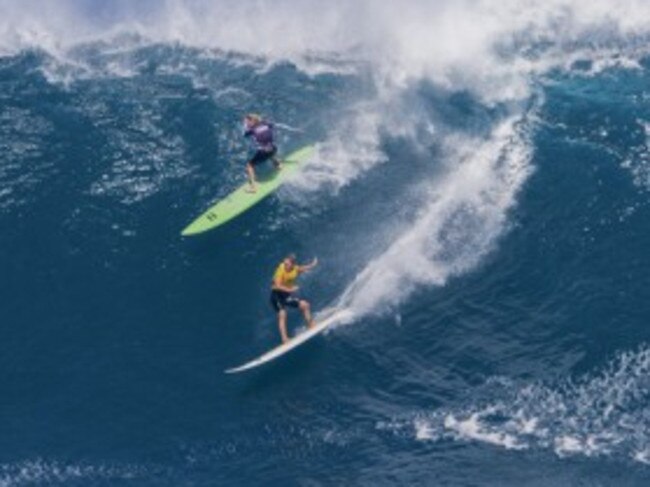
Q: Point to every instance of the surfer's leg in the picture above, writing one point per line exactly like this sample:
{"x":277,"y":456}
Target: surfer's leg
{"x":250,"y":170}
{"x":306,"y":312}
{"x":277,"y":163}
{"x":282,"y":323}
{"x":278,"y":302}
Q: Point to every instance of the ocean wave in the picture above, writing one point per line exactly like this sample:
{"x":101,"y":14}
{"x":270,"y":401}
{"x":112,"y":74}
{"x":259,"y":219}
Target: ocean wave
{"x":465,"y":214}
{"x":40,"y":472}
{"x":638,"y":161}
{"x":22,"y":167}
{"x":490,"y":49}
{"x":603,"y":414}
{"x":141,"y":159}
{"x":495,"y":54}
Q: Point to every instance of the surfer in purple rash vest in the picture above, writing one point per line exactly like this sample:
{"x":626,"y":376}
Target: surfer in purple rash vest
{"x":262,"y":133}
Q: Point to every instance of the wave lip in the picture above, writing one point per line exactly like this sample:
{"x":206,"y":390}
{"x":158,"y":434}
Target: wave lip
{"x":473,"y":45}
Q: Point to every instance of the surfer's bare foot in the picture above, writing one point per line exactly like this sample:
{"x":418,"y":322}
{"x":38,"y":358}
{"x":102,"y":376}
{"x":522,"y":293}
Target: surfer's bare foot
{"x":278,"y":165}
{"x":311,"y":324}
{"x":285,"y":339}
{"x":251,"y":189}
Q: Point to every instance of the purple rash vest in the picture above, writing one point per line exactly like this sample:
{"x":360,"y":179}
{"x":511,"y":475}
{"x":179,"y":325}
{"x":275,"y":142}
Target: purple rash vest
{"x":262,"y":133}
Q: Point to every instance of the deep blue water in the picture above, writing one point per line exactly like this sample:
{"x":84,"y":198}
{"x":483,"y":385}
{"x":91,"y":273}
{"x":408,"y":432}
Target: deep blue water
{"x":501,"y":292}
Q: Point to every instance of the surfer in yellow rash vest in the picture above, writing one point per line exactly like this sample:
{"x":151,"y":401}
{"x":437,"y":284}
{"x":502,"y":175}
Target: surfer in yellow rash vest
{"x":284,"y":289}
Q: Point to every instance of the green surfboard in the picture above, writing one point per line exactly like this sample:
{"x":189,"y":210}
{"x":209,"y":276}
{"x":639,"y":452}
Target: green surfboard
{"x":241,"y":200}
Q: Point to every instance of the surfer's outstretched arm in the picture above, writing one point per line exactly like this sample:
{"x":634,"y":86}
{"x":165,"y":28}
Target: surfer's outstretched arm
{"x":289,"y":127}
{"x":308,"y":267}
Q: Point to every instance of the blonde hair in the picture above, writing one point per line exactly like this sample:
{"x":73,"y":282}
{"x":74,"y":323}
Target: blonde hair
{"x":253,"y":117}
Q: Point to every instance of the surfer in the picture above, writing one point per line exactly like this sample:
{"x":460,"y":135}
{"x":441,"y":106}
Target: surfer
{"x":283,"y":292}
{"x":262,"y":133}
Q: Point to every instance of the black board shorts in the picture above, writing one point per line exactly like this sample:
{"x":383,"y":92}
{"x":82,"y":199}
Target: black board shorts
{"x":280,"y":300}
{"x":261,"y":155}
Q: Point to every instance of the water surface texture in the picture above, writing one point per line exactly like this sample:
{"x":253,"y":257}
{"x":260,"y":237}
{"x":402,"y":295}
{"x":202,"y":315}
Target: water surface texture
{"x":479,"y":200}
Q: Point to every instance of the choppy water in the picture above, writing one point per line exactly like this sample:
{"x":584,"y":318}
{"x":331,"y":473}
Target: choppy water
{"x":479,"y":200}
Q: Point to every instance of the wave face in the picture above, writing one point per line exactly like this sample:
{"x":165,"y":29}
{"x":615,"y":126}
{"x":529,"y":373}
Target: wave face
{"x":479,"y":202}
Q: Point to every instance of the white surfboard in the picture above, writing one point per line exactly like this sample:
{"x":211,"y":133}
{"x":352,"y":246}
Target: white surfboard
{"x":296,"y":341}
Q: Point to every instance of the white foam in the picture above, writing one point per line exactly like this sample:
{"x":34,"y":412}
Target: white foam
{"x":601,"y":414}
{"x":39,"y":471}
{"x":638,"y":162}
{"x":565,"y":445}
{"x":459,"y":224}
{"x":458,"y":44}
{"x":352,"y":148}
{"x":642,"y":456}
{"x":423,"y":430}
{"x":471,"y":428}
